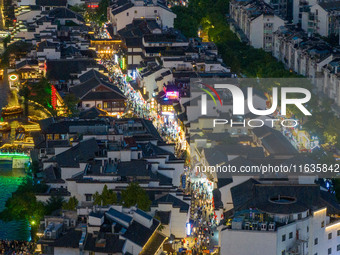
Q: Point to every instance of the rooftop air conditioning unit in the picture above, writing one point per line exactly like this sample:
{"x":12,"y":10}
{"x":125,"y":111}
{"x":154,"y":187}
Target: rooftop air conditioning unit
{"x":271,"y":226}
{"x":73,"y":222}
{"x":48,"y":234}
{"x":67,"y":222}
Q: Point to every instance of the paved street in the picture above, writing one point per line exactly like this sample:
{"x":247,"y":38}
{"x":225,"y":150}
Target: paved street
{"x":2,"y":20}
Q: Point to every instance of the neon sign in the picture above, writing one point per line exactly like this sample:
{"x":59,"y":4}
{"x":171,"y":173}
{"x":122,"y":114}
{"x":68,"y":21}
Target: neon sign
{"x":13,"y":77}
{"x":172,"y":94}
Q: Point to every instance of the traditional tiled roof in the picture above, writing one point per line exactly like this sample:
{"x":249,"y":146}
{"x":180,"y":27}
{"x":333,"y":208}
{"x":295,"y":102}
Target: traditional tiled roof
{"x":82,"y":152}
{"x":63,"y":69}
{"x":46,"y":45}
{"x":139,"y":234}
{"x":274,"y":141}
{"x":51,"y":2}
{"x":64,"y":13}
{"x":174,"y":201}
{"x":111,"y":243}
{"x":154,"y":245}
{"x":133,"y":168}
{"x":87,"y":90}
{"x":252,"y":194}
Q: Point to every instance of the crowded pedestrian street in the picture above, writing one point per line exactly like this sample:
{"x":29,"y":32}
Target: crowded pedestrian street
{"x":168,"y":128}
{"x":16,"y":247}
{"x":204,"y":233}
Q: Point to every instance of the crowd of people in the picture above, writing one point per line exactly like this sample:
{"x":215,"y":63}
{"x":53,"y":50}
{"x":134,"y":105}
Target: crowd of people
{"x":202,"y":216}
{"x":16,"y":247}
{"x":13,"y":150}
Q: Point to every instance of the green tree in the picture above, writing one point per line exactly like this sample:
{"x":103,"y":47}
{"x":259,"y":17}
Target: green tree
{"x":97,"y":198}
{"x":39,"y":93}
{"x":35,"y":166}
{"x":161,"y":226}
{"x":6,"y":40}
{"x":71,"y":104}
{"x":100,"y":15}
{"x":190,"y":25}
{"x":136,"y":195}
{"x":102,"y":8}
{"x":53,"y":203}
{"x":19,"y":48}
{"x":25,"y":93}
{"x":79,"y":8}
{"x":107,"y":197}
{"x":23,"y":203}
{"x":71,"y":204}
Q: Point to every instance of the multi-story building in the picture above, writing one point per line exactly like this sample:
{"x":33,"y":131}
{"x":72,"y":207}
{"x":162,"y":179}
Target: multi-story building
{"x":298,"y":7}
{"x":282,"y":8}
{"x":173,"y":212}
{"x":322,"y":19}
{"x":152,"y":79}
{"x":257,"y":20}
{"x":123,"y":12}
{"x":95,"y":90}
{"x":309,"y":56}
{"x":145,"y":40}
{"x":331,"y":80}
{"x":281,"y":219}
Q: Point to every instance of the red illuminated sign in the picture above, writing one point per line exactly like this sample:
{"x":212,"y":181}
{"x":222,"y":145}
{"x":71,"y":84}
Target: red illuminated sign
{"x":92,"y":6}
{"x":53,"y":97}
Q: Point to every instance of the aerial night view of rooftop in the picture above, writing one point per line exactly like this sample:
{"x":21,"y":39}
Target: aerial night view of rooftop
{"x":170,"y":127}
